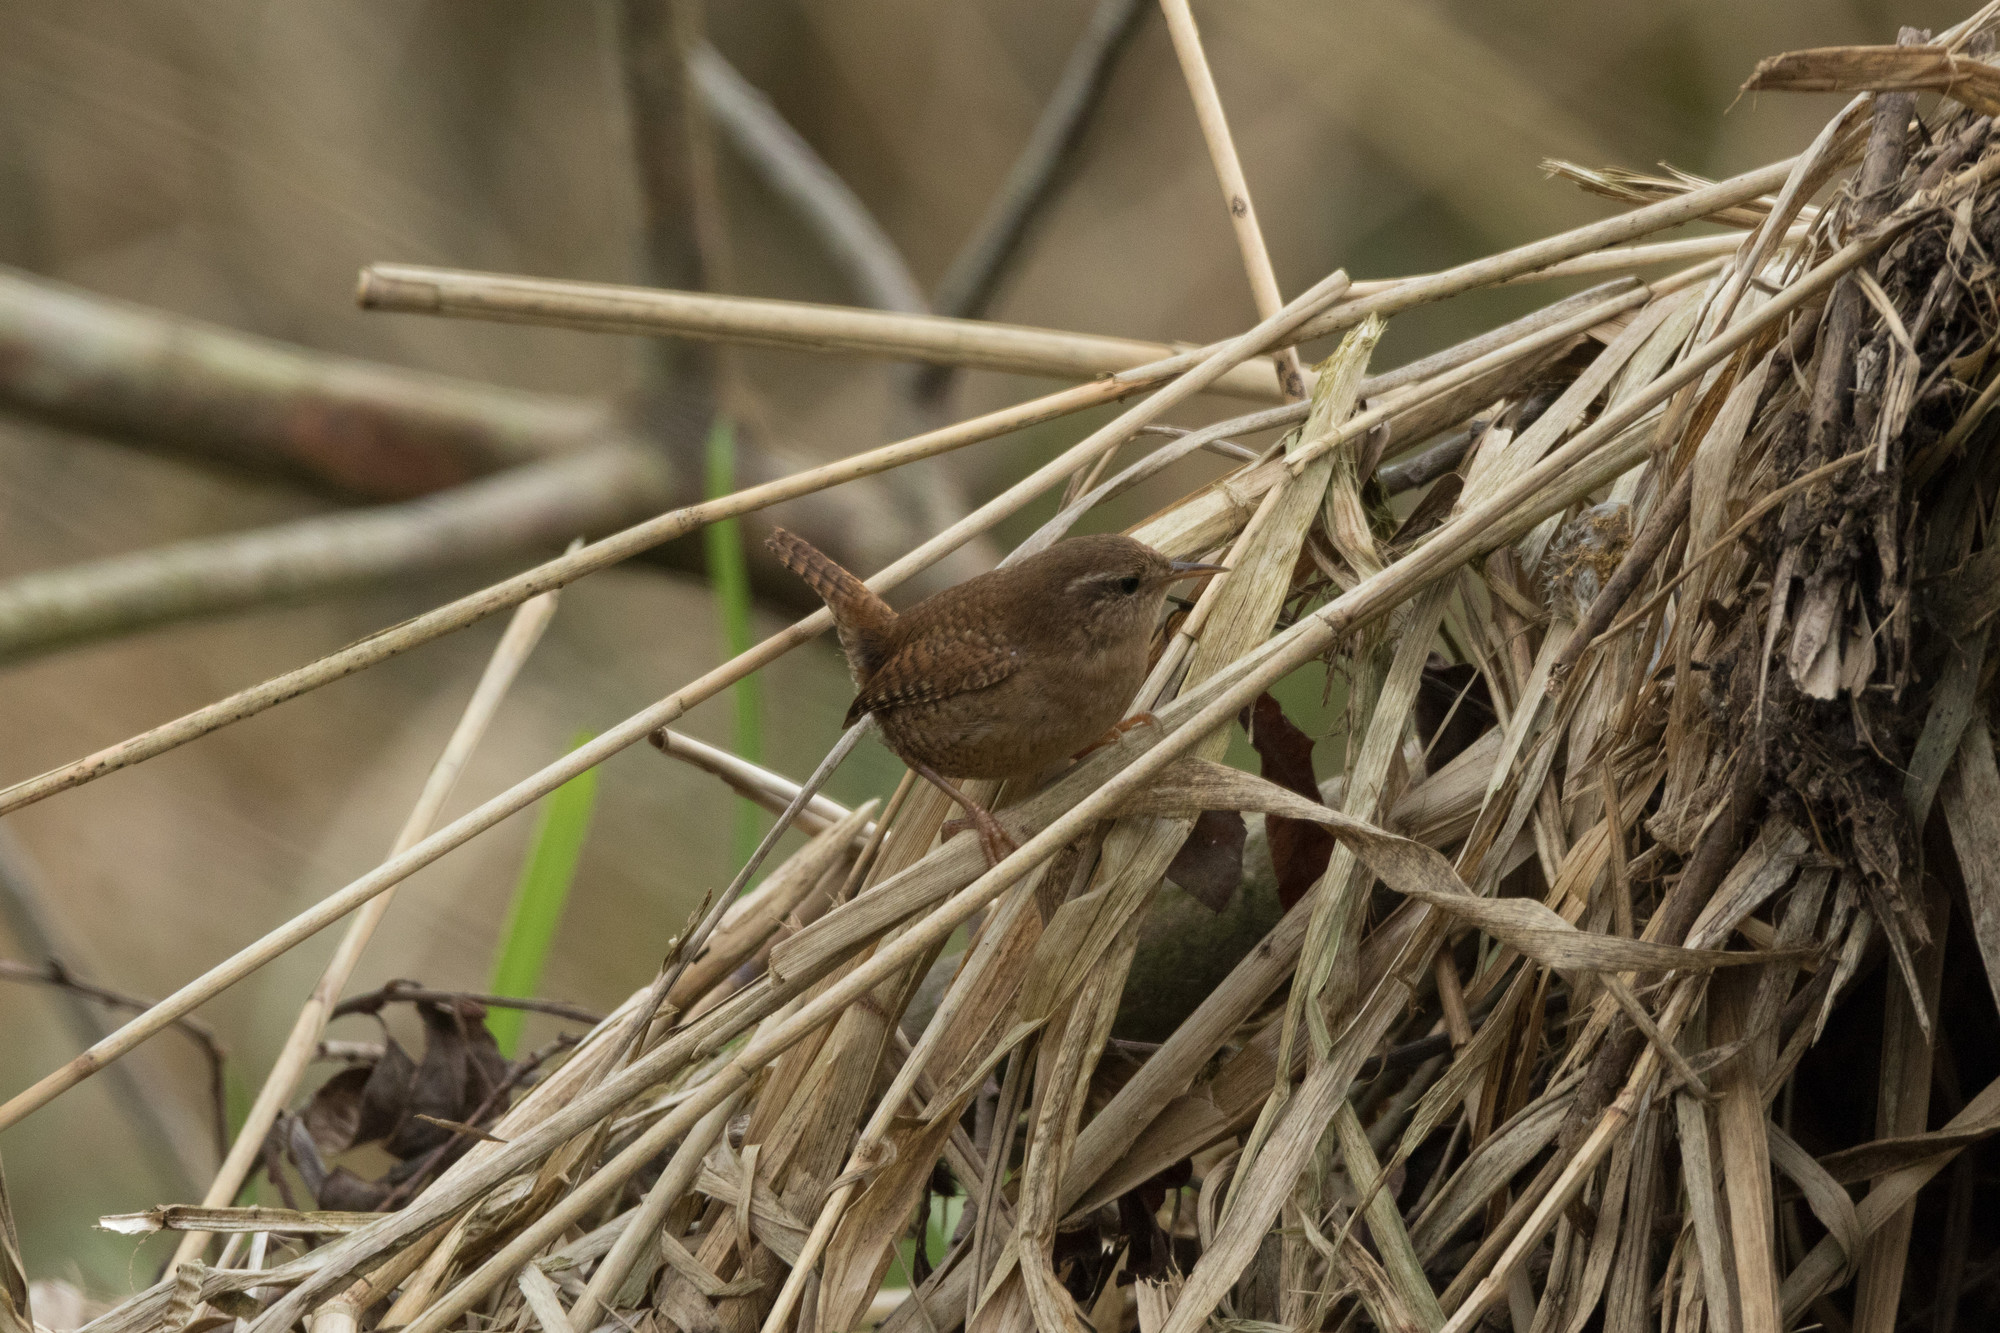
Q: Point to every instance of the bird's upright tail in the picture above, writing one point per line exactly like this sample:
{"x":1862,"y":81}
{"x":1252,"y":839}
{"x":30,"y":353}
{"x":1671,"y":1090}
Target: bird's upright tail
{"x":863,"y":619}
{"x":821,"y":572}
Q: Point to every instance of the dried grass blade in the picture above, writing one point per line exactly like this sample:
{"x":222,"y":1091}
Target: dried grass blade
{"x":1828,"y":1201}
{"x":1706,"y":1210}
{"x":1746,"y":1164}
{"x":1400,"y":1263}
{"x":1841,"y":69}
{"x":543,"y":1301}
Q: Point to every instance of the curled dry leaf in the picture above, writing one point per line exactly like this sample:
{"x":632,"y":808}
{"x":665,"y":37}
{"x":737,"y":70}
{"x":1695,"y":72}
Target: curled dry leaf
{"x":412,"y":1108}
{"x":1300,"y":848}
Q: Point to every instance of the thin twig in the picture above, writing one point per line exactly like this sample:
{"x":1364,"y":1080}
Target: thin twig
{"x":1220,"y":447}
{"x":753,"y":781}
{"x":1616,"y":259}
{"x":37,"y":929}
{"x":54,"y":973}
{"x":409,"y":992}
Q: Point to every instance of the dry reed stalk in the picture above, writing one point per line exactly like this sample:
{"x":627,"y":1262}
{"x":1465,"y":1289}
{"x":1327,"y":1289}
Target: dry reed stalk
{"x":1214,"y":123}
{"x":1693,"y":206}
{"x":753,"y":782}
{"x":1596,"y":263}
{"x":600,"y":307}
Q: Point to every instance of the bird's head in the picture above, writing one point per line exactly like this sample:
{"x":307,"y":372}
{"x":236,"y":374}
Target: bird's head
{"x":1109,"y":587}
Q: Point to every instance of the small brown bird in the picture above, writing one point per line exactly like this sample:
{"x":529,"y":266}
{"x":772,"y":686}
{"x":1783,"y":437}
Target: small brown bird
{"x":1004,"y":675}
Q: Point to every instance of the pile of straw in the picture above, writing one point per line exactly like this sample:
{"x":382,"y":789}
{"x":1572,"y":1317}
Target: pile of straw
{"x":1573,"y":1026}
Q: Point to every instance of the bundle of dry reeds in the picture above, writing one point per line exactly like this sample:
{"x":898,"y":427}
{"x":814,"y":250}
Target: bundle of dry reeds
{"x":1668,"y":759}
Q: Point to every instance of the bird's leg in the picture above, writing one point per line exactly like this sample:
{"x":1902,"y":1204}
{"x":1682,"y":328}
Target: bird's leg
{"x":1118,"y":729}
{"x":993,"y":839}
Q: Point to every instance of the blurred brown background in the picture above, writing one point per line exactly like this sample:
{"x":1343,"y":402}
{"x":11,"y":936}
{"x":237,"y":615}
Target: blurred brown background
{"x":239,"y":162}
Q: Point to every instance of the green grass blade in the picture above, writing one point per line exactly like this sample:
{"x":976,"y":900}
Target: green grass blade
{"x":537,"y":908}
{"x":729,"y":581}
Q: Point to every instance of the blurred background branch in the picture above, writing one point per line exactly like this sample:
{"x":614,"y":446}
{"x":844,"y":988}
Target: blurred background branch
{"x":796,"y":175}
{"x":968,"y":285}
{"x":501,"y":474}
{"x":147,"y":1104}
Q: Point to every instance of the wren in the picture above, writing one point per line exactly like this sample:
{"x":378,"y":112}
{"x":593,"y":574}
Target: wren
{"x":1006,"y":674}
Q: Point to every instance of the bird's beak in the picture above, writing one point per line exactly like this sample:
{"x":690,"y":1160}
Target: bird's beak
{"x":1187,"y":569}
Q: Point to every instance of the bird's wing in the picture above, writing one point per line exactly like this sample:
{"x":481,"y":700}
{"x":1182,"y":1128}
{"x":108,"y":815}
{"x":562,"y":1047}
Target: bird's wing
{"x":925,"y":670}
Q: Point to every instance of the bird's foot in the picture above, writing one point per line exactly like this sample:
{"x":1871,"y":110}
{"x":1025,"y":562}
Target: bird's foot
{"x":993,"y":839}
{"x":1118,"y":729}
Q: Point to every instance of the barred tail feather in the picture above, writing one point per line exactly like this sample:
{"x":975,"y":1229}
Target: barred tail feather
{"x":820,"y":571}
{"x":863,"y":619}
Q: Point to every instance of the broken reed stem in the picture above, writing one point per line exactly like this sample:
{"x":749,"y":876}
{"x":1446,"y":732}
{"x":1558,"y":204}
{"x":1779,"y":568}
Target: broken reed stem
{"x":523,"y":632}
{"x":754,"y":782}
{"x":1229,"y":171}
{"x":587,"y":756}
{"x":602,"y":307}
{"x":1622,"y":259}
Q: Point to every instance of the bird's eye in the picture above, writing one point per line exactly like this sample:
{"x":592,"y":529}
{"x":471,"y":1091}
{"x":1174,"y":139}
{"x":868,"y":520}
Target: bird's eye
{"x":1129,"y":584}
